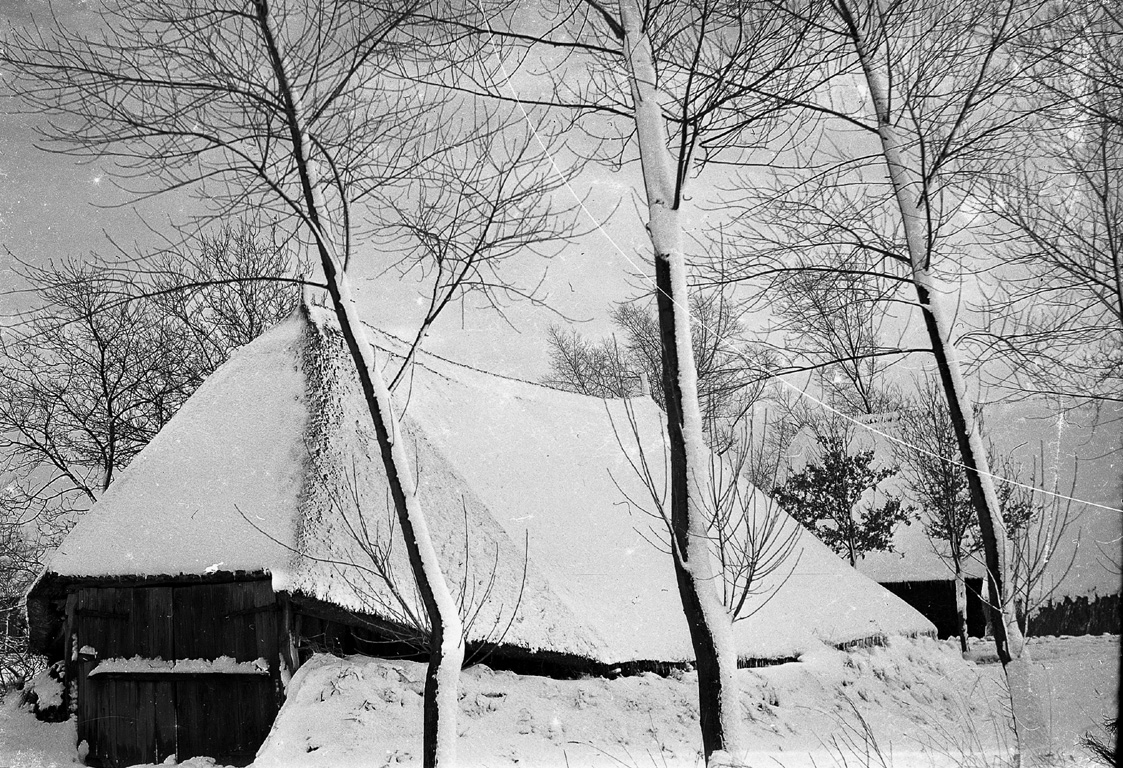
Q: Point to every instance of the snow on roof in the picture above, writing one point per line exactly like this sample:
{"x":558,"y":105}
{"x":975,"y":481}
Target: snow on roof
{"x":915,"y":557}
{"x":225,"y":665}
{"x":232,"y":454}
{"x":524,"y":488}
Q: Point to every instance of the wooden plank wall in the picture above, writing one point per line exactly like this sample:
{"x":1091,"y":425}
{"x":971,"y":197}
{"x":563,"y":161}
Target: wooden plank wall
{"x":130,"y":719}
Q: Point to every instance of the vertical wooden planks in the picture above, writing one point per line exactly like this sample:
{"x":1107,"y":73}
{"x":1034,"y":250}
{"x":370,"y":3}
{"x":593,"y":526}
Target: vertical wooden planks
{"x":145,"y":713}
{"x":187,"y":720}
{"x":130,"y":751}
{"x":164,"y":717}
{"x":107,"y":721}
{"x":150,"y":623}
{"x":266,"y":621}
{"x":128,"y":719}
{"x":70,"y":649}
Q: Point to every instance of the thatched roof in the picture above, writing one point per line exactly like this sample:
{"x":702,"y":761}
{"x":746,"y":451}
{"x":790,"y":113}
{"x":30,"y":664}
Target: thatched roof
{"x":266,"y":468}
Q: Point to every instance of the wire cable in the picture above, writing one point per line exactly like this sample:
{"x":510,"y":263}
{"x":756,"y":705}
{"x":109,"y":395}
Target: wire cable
{"x":775,"y":377}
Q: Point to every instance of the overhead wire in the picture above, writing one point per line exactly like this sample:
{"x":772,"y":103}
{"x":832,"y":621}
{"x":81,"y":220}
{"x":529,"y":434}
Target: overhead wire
{"x":802,"y":392}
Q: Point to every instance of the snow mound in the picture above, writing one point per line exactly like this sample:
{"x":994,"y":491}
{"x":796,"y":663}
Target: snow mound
{"x":915,"y":699}
{"x":26,"y":742}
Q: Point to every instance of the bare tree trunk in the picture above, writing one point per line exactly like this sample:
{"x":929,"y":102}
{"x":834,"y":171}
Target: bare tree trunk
{"x":446,"y":634}
{"x":1009,"y":642}
{"x":711,"y":628}
{"x":961,"y":606}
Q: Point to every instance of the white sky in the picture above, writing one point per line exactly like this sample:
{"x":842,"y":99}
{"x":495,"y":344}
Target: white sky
{"x":54,"y":207}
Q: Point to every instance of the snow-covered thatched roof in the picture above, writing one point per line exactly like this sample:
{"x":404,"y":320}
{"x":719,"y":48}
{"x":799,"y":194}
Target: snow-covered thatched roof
{"x":267,"y":467}
{"x":915,"y":556}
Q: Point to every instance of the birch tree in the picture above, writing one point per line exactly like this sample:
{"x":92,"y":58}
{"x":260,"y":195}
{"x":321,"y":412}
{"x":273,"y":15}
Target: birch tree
{"x":920,"y":93}
{"x":933,"y":77}
{"x":711,"y":62}
{"x":711,"y":627}
{"x":672,"y":87}
{"x":293,"y":109}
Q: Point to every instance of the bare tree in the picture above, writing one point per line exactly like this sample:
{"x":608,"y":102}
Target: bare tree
{"x":297,"y":110}
{"x":924,"y":87}
{"x":665,"y":172}
{"x":693,"y":80}
{"x":897,"y":51}
{"x":223,"y":288}
{"x":599,"y":369}
{"x":730,"y":380}
{"x":1037,"y":522}
{"x":830,"y":313}
{"x":107,"y":356}
{"x":1056,"y":319}
{"x":688,"y":82}
{"x":938,"y":483}
{"x":750,"y":535}
{"x":84,"y":388}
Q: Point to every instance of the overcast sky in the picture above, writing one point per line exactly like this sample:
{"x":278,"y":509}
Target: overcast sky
{"x":54,"y":207}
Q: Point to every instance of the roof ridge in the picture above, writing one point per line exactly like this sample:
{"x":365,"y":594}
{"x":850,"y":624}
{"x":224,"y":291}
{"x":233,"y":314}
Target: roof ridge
{"x":428,"y":353}
{"x":457,"y":363}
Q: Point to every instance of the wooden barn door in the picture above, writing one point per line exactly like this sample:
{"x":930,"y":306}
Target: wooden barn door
{"x":144,"y":717}
{"x":225,"y":716}
{"x":125,"y":720}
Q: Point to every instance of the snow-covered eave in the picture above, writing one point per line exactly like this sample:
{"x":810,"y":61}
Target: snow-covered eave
{"x":138,"y":665}
{"x":43,"y":618}
{"x":511,"y":652}
{"x":504,"y":654}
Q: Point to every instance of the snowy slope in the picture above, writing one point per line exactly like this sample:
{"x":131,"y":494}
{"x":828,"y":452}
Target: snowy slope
{"x":917,"y":701}
{"x":923,"y":705}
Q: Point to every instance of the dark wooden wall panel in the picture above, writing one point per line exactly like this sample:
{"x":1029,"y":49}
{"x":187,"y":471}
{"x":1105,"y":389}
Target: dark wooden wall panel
{"x":135,"y":718}
{"x":165,"y":718}
{"x":150,"y":624}
{"x":198,"y":613}
{"x":125,"y":724}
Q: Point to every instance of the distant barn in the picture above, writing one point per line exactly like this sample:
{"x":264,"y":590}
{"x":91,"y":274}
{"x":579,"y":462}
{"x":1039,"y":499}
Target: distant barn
{"x":255,"y":530}
{"x":914,"y":570}
{"x":922,"y":579}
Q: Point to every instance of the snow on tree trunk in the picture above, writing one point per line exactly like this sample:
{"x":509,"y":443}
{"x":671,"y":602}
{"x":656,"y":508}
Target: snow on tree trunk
{"x":961,"y":606}
{"x":711,"y":628}
{"x":446,"y":633}
{"x":1010,"y":644}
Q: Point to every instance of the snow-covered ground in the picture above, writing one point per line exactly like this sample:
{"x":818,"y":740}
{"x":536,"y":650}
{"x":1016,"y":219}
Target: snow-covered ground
{"x":914,"y":703}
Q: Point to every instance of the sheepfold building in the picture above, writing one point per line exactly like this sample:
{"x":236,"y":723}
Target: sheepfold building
{"x":917,"y":569}
{"x":256,"y":529}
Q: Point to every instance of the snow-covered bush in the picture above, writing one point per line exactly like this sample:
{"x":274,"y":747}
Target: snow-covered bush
{"x":44,"y":694}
